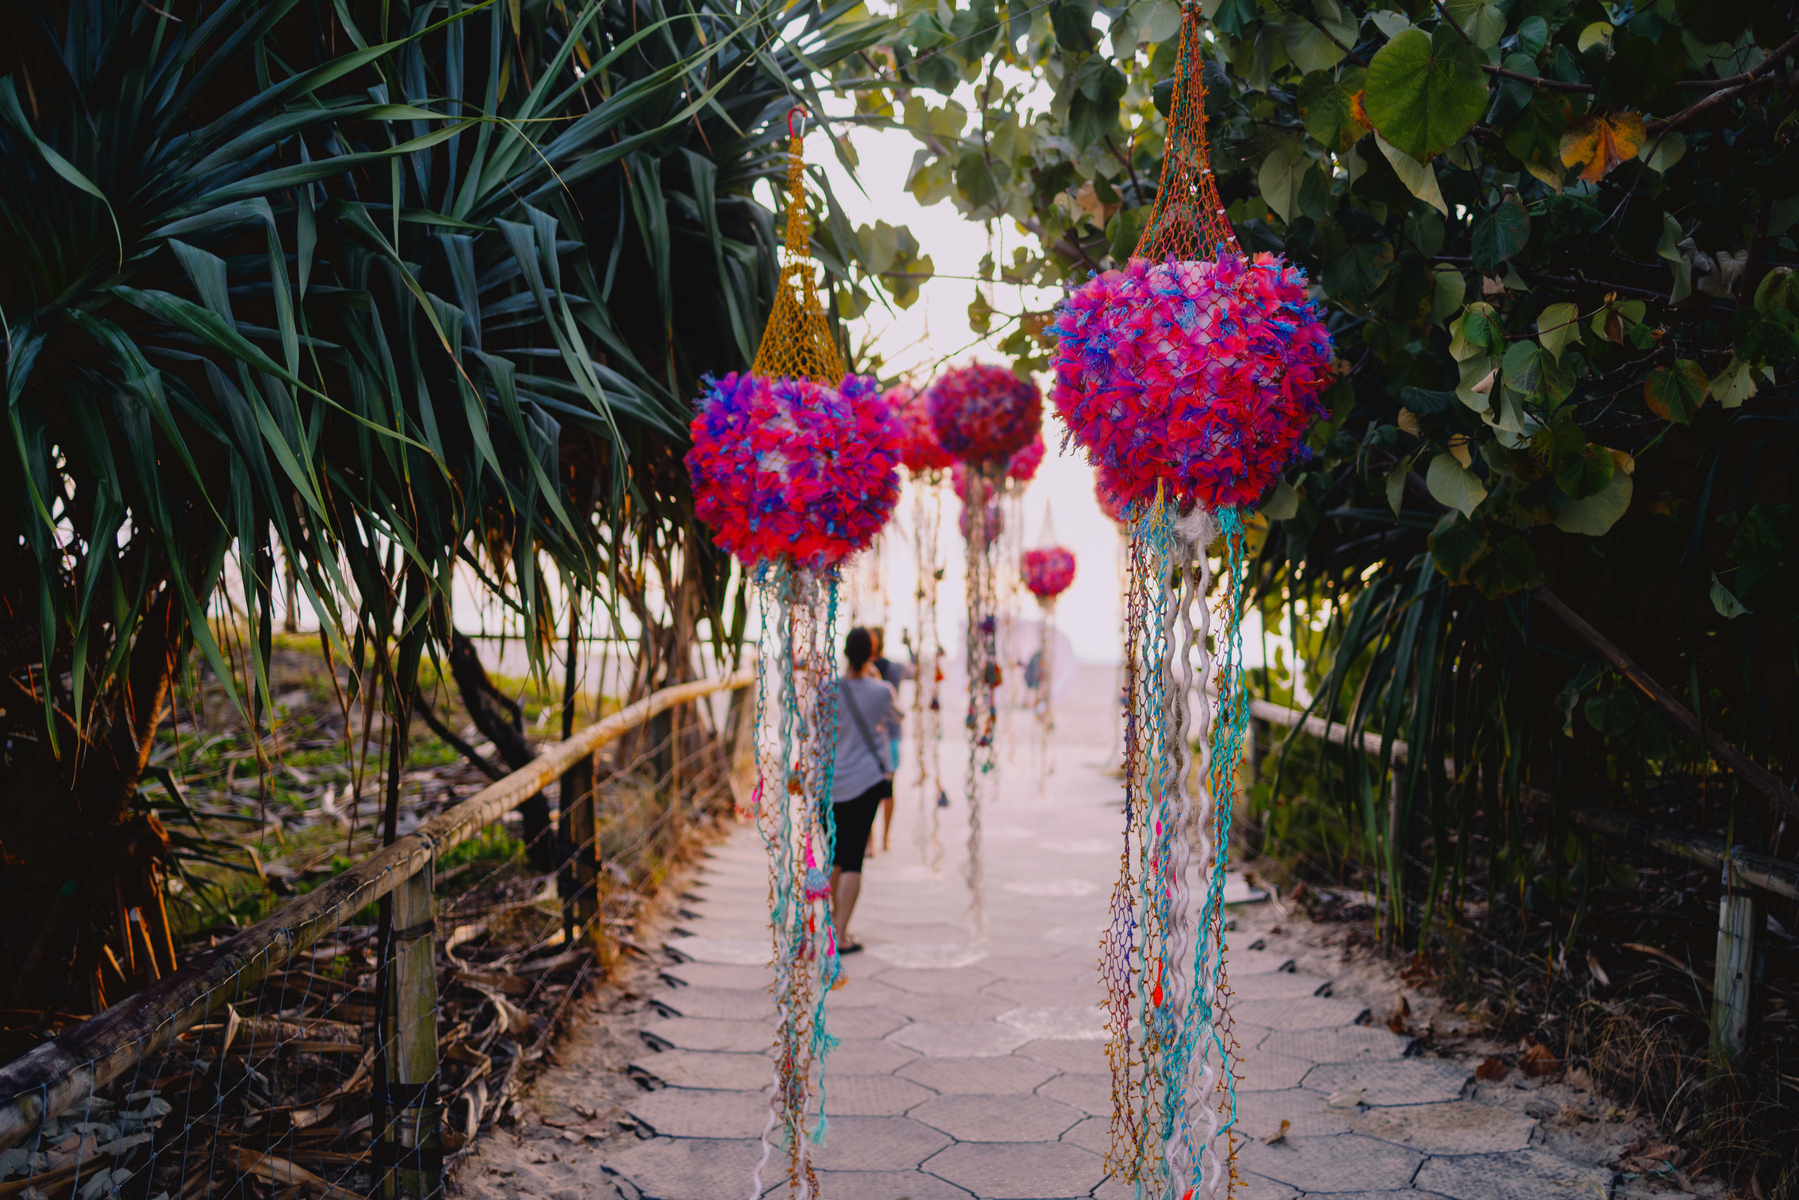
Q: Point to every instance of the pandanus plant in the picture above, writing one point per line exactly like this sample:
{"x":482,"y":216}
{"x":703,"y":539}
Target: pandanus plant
{"x":368,"y":288}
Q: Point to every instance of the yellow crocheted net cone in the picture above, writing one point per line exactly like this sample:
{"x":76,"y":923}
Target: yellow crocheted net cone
{"x":797,"y":342}
{"x":1188,"y":220}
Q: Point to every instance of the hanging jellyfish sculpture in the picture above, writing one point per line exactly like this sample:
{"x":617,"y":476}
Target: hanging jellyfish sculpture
{"x":794,"y":468}
{"x":927,"y":461}
{"x":1047,"y":572}
{"x":1021,"y":468}
{"x":983,"y":415}
{"x":1188,"y":377}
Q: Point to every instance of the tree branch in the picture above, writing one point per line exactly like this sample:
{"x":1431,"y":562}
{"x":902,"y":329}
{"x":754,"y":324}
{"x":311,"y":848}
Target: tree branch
{"x":448,"y":736}
{"x":1723,"y":95}
{"x":1554,"y":85}
{"x":1752,"y":773}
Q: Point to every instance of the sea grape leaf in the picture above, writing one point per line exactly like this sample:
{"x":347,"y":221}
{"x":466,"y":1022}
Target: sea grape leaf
{"x":1602,"y":143}
{"x":1675,"y":393}
{"x":1327,"y":106}
{"x":1454,"y":486}
{"x":1280,"y":176}
{"x":1557,"y":327}
{"x":1419,"y":178}
{"x":1482,"y":20}
{"x":1587,"y":473}
{"x":1595,"y":515}
{"x":1310,"y":46}
{"x":1425,"y":92}
{"x":1454,"y":544}
{"x":1500,"y":233}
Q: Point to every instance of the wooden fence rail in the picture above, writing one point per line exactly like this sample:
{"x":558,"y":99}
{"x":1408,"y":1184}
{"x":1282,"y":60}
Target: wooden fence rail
{"x":61,"y":1073}
{"x":1744,"y":872}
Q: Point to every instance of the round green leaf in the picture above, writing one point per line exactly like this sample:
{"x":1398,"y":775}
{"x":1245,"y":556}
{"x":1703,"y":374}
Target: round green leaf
{"x":1587,"y":473}
{"x":1613,"y":715}
{"x":1499,"y":234}
{"x":1454,"y":486}
{"x":1280,"y":177}
{"x":1595,"y":515}
{"x":1328,"y":107}
{"x":1675,"y":394}
{"x":1425,"y":92}
{"x":1454,"y":544}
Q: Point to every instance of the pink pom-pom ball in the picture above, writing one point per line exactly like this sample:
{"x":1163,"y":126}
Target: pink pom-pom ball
{"x":1108,"y":502}
{"x":1022,"y":467}
{"x":1202,"y":375}
{"x":791,"y":469}
{"x":996,"y":521}
{"x":1047,"y":572}
{"x":920,"y":450}
{"x":984,"y":414}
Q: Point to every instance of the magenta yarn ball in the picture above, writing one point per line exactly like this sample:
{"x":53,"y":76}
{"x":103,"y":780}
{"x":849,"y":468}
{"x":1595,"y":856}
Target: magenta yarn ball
{"x":984,"y":414}
{"x":1047,"y":572}
{"x":919,"y":448}
{"x":1201,"y":375}
{"x":791,"y":469}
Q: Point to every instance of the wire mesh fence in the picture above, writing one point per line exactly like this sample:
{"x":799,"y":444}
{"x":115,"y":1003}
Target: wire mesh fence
{"x":1647,"y":952}
{"x":360,"y":1038}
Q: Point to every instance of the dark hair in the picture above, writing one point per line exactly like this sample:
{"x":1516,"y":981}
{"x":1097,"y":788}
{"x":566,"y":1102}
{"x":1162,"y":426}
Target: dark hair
{"x":858,"y":647}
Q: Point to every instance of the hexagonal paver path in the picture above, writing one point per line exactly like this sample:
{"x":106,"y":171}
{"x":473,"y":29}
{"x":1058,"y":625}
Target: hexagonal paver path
{"x":976,"y":1067}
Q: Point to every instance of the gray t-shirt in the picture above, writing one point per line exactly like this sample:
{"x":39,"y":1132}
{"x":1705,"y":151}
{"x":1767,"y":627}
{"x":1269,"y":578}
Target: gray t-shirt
{"x":857,"y":770}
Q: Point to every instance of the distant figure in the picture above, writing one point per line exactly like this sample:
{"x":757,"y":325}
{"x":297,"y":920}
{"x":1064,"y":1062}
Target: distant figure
{"x":893,"y":674}
{"x":862,"y":778}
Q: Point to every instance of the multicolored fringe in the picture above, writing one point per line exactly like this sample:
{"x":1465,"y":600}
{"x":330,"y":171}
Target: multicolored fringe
{"x":1162,"y":966}
{"x":927,"y":693}
{"x":984,"y":675}
{"x":795,"y":761}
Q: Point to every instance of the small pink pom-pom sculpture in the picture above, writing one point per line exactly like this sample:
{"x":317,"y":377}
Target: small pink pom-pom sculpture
{"x":1201,"y":375}
{"x":790,"y":469}
{"x":919,"y":449}
{"x":1020,"y":468}
{"x":1108,"y":503}
{"x":984,"y":414}
{"x":990,"y":529}
{"x":1047,"y":572}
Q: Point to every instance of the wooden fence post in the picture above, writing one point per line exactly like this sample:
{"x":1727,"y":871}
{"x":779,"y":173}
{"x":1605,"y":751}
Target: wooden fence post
{"x":1735,"y":983}
{"x":580,"y":850}
{"x":414,"y":1135}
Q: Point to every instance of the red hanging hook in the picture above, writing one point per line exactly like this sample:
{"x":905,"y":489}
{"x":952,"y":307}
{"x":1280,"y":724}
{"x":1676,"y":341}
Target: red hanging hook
{"x":796,"y":110}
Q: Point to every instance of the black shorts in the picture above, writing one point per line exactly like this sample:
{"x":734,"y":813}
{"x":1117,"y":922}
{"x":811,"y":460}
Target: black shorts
{"x":854,"y":820}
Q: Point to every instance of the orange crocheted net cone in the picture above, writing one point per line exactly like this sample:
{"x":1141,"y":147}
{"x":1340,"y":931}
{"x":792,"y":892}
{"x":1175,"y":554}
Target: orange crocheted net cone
{"x":797,"y":342}
{"x":1188,"y":221}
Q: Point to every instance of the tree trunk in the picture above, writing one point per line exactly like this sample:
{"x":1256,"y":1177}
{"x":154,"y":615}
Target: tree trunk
{"x":83,"y":877}
{"x":502,"y":722}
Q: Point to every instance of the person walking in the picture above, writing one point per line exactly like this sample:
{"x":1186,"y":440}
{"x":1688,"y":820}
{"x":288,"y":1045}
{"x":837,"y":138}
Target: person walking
{"x":862,"y":776}
{"x":893,"y":674}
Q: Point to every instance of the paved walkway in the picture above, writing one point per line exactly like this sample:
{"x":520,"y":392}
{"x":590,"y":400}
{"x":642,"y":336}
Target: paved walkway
{"x":978,"y":1068}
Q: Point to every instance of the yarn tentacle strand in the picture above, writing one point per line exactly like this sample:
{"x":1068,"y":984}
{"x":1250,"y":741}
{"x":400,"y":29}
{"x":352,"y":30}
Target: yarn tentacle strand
{"x":1119,"y":968}
{"x":982,"y":659}
{"x":1225,"y":754}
